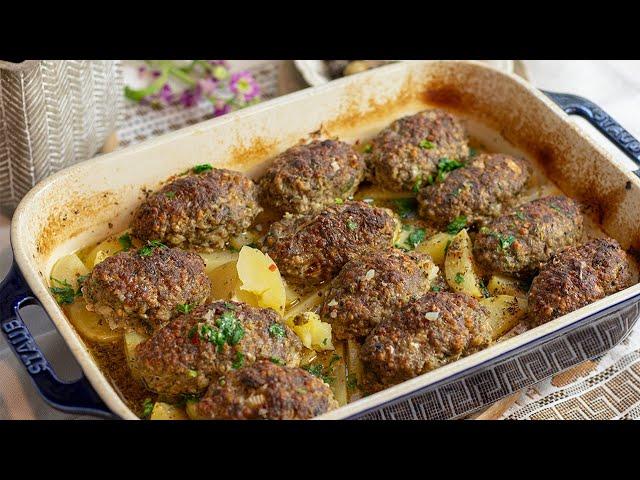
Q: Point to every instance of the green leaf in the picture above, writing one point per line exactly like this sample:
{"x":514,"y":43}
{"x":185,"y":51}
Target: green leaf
{"x":426,"y":144}
{"x":204,"y":167}
{"x":64,"y":294}
{"x":277,"y":330}
{"x":153,"y":88}
{"x":147,"y":407}
{"x":239,"y":361}
{"x":125,"y":241}
{"x":148,"y":249}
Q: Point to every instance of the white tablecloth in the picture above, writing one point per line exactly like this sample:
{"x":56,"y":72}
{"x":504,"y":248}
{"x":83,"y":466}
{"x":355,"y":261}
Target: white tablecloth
{"x":613,"y":85}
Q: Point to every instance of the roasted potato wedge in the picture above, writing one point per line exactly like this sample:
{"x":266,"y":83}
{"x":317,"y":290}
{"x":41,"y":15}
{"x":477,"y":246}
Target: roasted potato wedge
{"x":313,"y":332}
{"x":459,"y":266}
{"x":505,"y":312}
{"x":436,"y":247}
{"x":260,"y":276}
{"x":166,"y":411}
{"x":502,"y":285}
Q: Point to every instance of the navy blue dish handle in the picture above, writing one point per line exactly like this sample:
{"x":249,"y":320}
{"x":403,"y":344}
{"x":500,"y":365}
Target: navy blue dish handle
{"x":603,"y":122}
{"x":72,"y":397}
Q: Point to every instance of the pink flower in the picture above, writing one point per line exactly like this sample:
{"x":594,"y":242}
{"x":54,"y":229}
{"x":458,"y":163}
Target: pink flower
{"x":207,"y":86}
{"x":166,"y":94}
{"x":220,"y":108}
{"x":191,"y":96}
{"x":243,"y":83}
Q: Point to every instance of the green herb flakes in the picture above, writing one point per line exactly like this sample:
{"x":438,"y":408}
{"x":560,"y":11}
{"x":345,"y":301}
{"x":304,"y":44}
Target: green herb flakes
{"x":459,"y":278}
{"x":520,"y":215}
{"x":148,"y":249}
{"x":352,"y":381}
{"x":457,"y":224}
{"x":352,"y":225}
{"x":170,"y":195}
{"x":417,"y":185}
{"x":277,"y":361}
{"x":367,"y":148}
{"x":239,"y":361}
{"x":64,"y":293}
{"x":426,"y":144}
{"x":125,"y":241}
{"x":277,"y":330}
{"x":204,"y":167}
{"x":184,"y":308}
{"x":406,"y":207}
{"x":147,"y":407}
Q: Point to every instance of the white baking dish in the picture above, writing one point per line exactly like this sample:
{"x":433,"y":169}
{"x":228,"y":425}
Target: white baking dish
{"x":86,"y":202}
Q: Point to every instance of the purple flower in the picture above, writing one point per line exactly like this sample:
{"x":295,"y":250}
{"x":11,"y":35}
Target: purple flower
{"x":155,"y":73}
{"x":220,"y":108}
{"x":166,"y":94}
{"x":207,"y":86}
{"x":142,"y":70}
{"x":191,"y":96}
{"x":243,"y":83}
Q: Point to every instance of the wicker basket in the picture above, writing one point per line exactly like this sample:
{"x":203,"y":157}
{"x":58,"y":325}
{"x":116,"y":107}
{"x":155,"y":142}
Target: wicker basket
{"x":53,"y":113}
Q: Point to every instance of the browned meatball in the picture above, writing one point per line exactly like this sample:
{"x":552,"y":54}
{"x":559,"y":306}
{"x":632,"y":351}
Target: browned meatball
{"x":266,"y":391}
{"x":372,"y":287}
{"x":411,"y":147}
{"x":308,"y":177}
{"x":477,"y":191}
{"x":312,"y":248}
{"x":196,"y":349}
{"x":200,"y":211}
{"x":143,"y":288}
{"x":519,"y":243}
{"x":577,"y":276}
{"x":427,"y":333}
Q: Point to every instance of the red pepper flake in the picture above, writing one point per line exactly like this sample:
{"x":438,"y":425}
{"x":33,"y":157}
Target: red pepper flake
{"x":195,"y":339}
{"x":273,"y":267}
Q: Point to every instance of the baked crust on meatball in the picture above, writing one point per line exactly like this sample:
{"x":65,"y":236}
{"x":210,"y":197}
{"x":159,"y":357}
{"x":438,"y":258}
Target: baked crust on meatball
{"x":478,"y":191}
{"x":427,"y":333}
{"x":196,"y":349}
{"x":308,"y":177}
{"x":577,"y":276}
{"x":411,"y":147}
{"x":142,"y":290}
{"x":201,"y":211}
{"x":266,"y":391}
{"x":520,"y":242}
{"x":373,"y":286}
{"x":312,"y":248}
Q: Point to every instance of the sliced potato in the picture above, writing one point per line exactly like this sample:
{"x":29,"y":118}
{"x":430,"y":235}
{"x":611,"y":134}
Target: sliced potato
{"x":502,"y":285}
{"x":90,"y":325}
{"x":459,"y":267}
{"x":313,"y":332}
{"x":354,"y":368}
{"x":226,"y":285}
{"x":505,"y":312}
{"x":436,"y":246}
{"x":260,"y":275}
{"x":166,"y":411}
{"x":191,"y":410}
{"x":216,"y":259}
{"x":68,"y":269}
{"x":339,"y":384}
{"x":131,"y":341}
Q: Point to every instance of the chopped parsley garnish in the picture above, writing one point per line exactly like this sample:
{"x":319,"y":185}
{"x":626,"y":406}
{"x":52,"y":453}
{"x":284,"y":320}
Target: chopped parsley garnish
{"x":472,"y":152}
{"x":125,"y":241}
{"x":352,"y":225}
{"x":192,"y":373}
{"x":170,"y":194}
{"x":334,"y":358}
{"x":64,"y":294}
{"x":406,"y":207}
{"x":506,"y":241}
{"x":239,"y":361}
{"x":457,"y":224}
{"x":410,"y":237}
{"x":520,"y":215}
{"x":367,"y":148}
{"x":338,"y":201}
{"x":352,"y":381}
{"x":459,"y":278}
{"x":446,"y":165}
{"x":416,"y":237}
{"x":228,"y":330}
{"x":81,"y":279}
{"x":148,"y":249}
{"x":204,"y":167}
{"x":147,"y":407}
{"x":277,"y":330}
{"x":426,"y":144}
{"x":277,"y":360}
{"x":184,"y":308}
{"x":319,"y":371}
{"x":417,"y":184}
{"x":436,"y":288}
